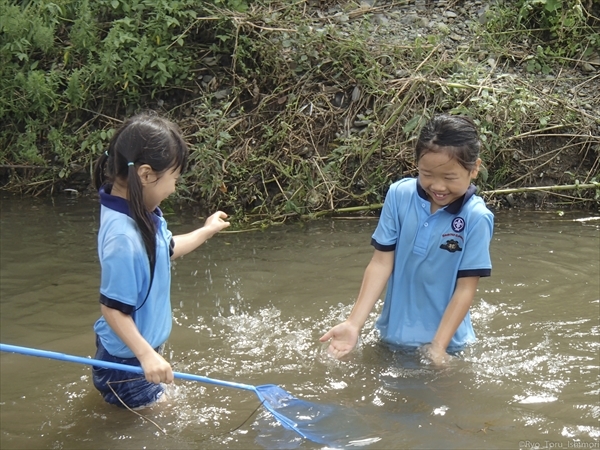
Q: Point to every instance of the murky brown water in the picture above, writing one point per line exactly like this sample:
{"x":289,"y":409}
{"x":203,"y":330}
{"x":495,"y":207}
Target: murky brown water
{"x":250,"y":307}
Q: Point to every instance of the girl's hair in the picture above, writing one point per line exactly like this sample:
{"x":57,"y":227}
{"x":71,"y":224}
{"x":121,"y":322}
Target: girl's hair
{"x":142,"y":139}
{"x":455,"y":135}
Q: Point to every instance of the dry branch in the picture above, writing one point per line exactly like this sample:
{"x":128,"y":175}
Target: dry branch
{"x":377,"y":206}
{"x":568,"y":187}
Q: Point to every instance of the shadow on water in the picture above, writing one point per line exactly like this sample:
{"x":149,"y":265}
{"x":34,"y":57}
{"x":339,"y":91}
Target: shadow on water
{"x":250,"y":308}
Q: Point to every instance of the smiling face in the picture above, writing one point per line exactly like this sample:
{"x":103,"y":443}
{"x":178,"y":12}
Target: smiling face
{"x":158,"y":187}
{"x":443,"y":178}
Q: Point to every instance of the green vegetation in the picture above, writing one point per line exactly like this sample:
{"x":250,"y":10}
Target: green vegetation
{"x":287,"y":111}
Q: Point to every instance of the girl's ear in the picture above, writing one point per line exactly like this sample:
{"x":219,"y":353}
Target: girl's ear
{"x":475,"y":170}
{"x":146,"y":174}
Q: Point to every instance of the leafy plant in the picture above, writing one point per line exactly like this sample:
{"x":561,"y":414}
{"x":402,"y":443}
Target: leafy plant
{"x":285,"y":113}
{"x":562,"y":28}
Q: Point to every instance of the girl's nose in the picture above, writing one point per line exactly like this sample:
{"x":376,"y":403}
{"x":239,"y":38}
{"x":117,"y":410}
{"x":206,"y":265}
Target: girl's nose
{"x":438,"y":185}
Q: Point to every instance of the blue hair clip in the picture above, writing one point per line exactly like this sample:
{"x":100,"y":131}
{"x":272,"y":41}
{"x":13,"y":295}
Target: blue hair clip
{"x":106,"y":153}
{"x":131,"y":164}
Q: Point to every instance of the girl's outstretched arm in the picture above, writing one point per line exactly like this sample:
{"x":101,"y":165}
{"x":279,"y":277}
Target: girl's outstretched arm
{"x":455,"y":313}
{"x":185,"y":243}
{"x":156,"y":369}
{"x":344,"y":336}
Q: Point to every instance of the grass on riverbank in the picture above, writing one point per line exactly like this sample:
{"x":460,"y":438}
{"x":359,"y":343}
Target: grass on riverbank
{"x":290,"y":111}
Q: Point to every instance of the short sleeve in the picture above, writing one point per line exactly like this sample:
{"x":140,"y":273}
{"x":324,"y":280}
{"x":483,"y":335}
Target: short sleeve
{"x":476,"y":258}
{"x":120,"y":264}
{"x":386,"y":234}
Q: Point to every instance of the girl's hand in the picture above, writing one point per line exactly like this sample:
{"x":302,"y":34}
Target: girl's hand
{"x":156,"y":369}
{"x":216,"y":222}
{"x":344,"y":337}
{"x":185,"y":243}
{"x":434,"y":354}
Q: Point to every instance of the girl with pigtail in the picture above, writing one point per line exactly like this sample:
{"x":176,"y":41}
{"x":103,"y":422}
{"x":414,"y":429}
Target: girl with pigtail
{"x":137,"y":172}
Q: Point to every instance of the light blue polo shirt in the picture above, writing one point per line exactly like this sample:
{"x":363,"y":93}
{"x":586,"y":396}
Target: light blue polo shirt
{"x":126,"y":275}
{"x":431,"y":252}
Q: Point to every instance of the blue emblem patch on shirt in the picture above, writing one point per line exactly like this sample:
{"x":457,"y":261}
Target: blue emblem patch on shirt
{"x":458,"y":224}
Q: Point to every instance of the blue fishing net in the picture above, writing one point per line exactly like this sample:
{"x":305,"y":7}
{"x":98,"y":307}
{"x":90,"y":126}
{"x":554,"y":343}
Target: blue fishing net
{"x":331,"y":425}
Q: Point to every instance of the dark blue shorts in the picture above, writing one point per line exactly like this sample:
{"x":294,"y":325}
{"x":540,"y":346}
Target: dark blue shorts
{"x":132,"y":388}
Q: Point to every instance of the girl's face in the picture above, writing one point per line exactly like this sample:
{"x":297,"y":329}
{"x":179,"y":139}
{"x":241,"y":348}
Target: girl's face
{"x":443,"y":178}
{"x":157,"y":187}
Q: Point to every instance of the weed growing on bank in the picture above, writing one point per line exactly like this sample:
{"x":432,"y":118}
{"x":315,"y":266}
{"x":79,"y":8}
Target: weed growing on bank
{"x":292,"y":109}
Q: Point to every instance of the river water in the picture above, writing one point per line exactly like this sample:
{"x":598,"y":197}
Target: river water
{"x":250,"y":307}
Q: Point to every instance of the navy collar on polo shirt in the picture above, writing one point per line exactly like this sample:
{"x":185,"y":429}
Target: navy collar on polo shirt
{"x":456,"y":205}
{"x":119,"y":204}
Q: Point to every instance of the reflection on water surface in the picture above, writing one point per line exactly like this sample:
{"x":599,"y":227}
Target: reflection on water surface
{"x":250,"y":307}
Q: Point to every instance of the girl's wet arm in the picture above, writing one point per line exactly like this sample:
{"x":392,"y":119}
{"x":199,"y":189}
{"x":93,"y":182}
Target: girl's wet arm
{"x":455,"y":312}
{"x":156,"y":369}
{"x":374,"y":280}
{"x":344,"y":336}
{"x":185,"y":243}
